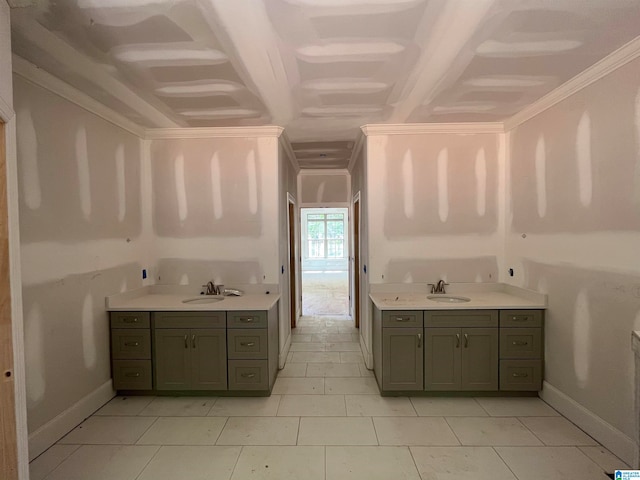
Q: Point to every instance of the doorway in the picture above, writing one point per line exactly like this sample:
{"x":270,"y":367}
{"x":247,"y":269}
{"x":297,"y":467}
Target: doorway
{"x":8,"y":433}
{"x":325,"y":261}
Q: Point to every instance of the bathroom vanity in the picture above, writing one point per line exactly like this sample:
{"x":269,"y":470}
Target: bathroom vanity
{"x":166,"y":341}
{"x":485,"y":338}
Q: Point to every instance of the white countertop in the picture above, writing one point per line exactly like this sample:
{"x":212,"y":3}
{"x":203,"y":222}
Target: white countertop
{"x":482,"y":296}
{"x":169,"y":298}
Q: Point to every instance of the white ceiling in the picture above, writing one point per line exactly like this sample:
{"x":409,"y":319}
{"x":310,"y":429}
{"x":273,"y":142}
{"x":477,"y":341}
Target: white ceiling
{"x":318,"y":68}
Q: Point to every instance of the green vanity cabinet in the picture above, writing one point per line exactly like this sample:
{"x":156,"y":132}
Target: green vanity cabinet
{"x":192,"y":357}
{"x":131,"y":350}
{"x":463,"y":355}
{"x":400,"y":340}
{"x":521,"y":350}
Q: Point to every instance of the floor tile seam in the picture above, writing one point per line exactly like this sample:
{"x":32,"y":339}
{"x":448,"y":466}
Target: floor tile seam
{"x":48,"y":475}
{"x":235,"y":464}
{"x":505,"y":462}
{"x":475,"y":399}
{"x":530,"y":431}
{"x":221,"y":430}
{"x":149,"y":462}
{"x":298,"y":431}
{"x":453,"y":430}
{"x":146,"y":430}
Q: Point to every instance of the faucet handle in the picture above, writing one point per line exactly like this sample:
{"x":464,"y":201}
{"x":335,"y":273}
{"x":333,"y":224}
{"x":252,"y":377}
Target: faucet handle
{"x":433,"y":287}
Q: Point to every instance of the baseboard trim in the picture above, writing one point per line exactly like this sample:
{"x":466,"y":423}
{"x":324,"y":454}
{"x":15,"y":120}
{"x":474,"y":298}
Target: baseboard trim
{"x":368,"y":356}
{"x":58,"y":427}
{"x":282,"y":358}
{"x":610,"y":437}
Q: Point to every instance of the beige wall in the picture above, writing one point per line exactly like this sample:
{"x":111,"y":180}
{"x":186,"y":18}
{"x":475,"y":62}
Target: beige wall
{"x":215,"y":205}
{"x":6,"y":94}
{"x":574,"y":233}
{"x":435,"y":211}
{"x":324,"y":190}
{"x":80,"y":226}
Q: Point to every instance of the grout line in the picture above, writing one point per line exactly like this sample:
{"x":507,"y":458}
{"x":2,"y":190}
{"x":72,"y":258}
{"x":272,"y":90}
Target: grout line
{"x":298,"y":432}
{"x":235,"y":465}
{"x":530,"y":431}
{"x":325,"y":461}
{"x":146,"y":430}
{"x":505,"y":462}
{"x":375,"y":430}
{"x":454,"y":432}
{"x":480,"y":404}
{"x":221,"y":430}
{"x":150,"y":460}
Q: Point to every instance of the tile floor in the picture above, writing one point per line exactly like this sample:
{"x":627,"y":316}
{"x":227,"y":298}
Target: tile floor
{"x":325,"y":421}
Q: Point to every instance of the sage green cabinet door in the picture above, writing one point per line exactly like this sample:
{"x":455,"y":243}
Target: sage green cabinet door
{"x":208,"y":359}
{"x":402,"y":359}
{"x":172,"y":359}
{"x":479,"y":359}
{"x":442,"y":359}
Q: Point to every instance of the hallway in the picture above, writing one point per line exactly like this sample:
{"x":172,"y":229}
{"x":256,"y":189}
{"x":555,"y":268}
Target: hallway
{"x":325,"y":421}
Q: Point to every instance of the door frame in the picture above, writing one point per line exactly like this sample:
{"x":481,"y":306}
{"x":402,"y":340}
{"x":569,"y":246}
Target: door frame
{"x":355,"y":269}
{"x":293,"y":259}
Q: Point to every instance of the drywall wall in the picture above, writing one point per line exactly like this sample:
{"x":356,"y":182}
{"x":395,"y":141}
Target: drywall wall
{"x":360,"y":194}
{"x":5,"y":55}
{"x":435,"y":211}
{"x":287,"y":191}
{"x":80,"y":226}
{"x":324,"y":189}
{"x":215,"y":205}
{"x":573,"y":232}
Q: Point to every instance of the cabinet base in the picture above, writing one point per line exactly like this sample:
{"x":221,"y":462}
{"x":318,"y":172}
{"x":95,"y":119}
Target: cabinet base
{"x":458,"y":394}
{"x":195,"y":393}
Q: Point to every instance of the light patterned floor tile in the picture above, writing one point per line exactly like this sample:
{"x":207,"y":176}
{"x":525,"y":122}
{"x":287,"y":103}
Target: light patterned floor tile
{"x":351,"y":357}
{"x":603,"y":457}
{"x":260,"y":431}
{"x":316,"y":357}
{"x":49,"y":460}
{"x":184,"y":431}
{"x":179,"y":407}
{"x":357,"y":385}
{"x":293,"y":370}
{"x":516,"y":407}
{"x":447,"y":407}
{"x":280,"y":463}
{"x":312,"y":406}
{"x":550,"y":463}
{"x":557,"y":431}
{"x":332,"y":370}
{"x":336,"y":431}
{"x":377,"y":406}
{"x":455,"y":463}
{"x":298,"y":386}
{"x":491,"y":431}
{"x":414,"y":431}
{"x":192,"y":463}
{"x":125,"y":405}
{"x":104,"y":462}
{"x":246,"y":406}
{"x":108,"y":431}
{"x":308,"y":347}
{"x":370,"y":463}
{"x":344,"y":347}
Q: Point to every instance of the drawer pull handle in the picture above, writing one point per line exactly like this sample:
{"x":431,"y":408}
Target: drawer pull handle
{"x":402,"y":319}
{"x":520,"y":343}
{"x":130,"y":320}
{"x":419,"y":340}
{"x":247,"y":320}
{"x":457,"y":340}
{"x":466,"y":341}
{"x":248,"y":375}
{"x":193,"y":341}
{"x":520,"y":375}
{"x":247,"y":344}
{"x":131,"y":344}
{"x":520,"y":319}
{"x":186,"y":344}
{"x":132,"y":375}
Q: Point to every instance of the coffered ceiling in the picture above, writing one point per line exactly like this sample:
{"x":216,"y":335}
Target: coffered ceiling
{"x":318,"y":68}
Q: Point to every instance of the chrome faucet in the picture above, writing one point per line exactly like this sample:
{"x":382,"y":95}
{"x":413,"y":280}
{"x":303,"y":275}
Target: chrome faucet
{"x":439,"y":287}
{"x":211,"y":288}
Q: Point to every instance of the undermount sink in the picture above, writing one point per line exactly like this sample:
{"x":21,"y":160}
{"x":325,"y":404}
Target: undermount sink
{"x":198,"y":300}
{"x":448,"y":299}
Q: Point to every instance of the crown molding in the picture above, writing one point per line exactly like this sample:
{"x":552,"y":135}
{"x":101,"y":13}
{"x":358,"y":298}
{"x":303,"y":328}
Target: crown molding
{"x":356,"y":151}
{"x":213,"y":132}
{"x":324,"y":171}
{"x":424,"y":128}
{"x":40,"y":77}
{"x":604,"y":67}
{"x":6,"y":112}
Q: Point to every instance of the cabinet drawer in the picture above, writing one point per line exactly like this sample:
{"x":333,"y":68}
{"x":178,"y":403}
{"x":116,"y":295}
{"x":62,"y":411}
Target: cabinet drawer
{"x":520,"y":342}
{"x":127,"y":343}
{"x":248,"y":375}
{"x":246,"y":319}
{"x":521,"y":318}
{"x":132,"y":374}
{"x":130,"y":320}
{"x":245,"y":343}
{"x":189,"y":319}
{"x":461,"y":318}
{"x":525,"y":375}
{"x":402,"y":318}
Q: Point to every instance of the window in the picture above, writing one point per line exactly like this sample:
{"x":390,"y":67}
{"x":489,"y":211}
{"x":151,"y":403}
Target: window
{"x":325,"y":235}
